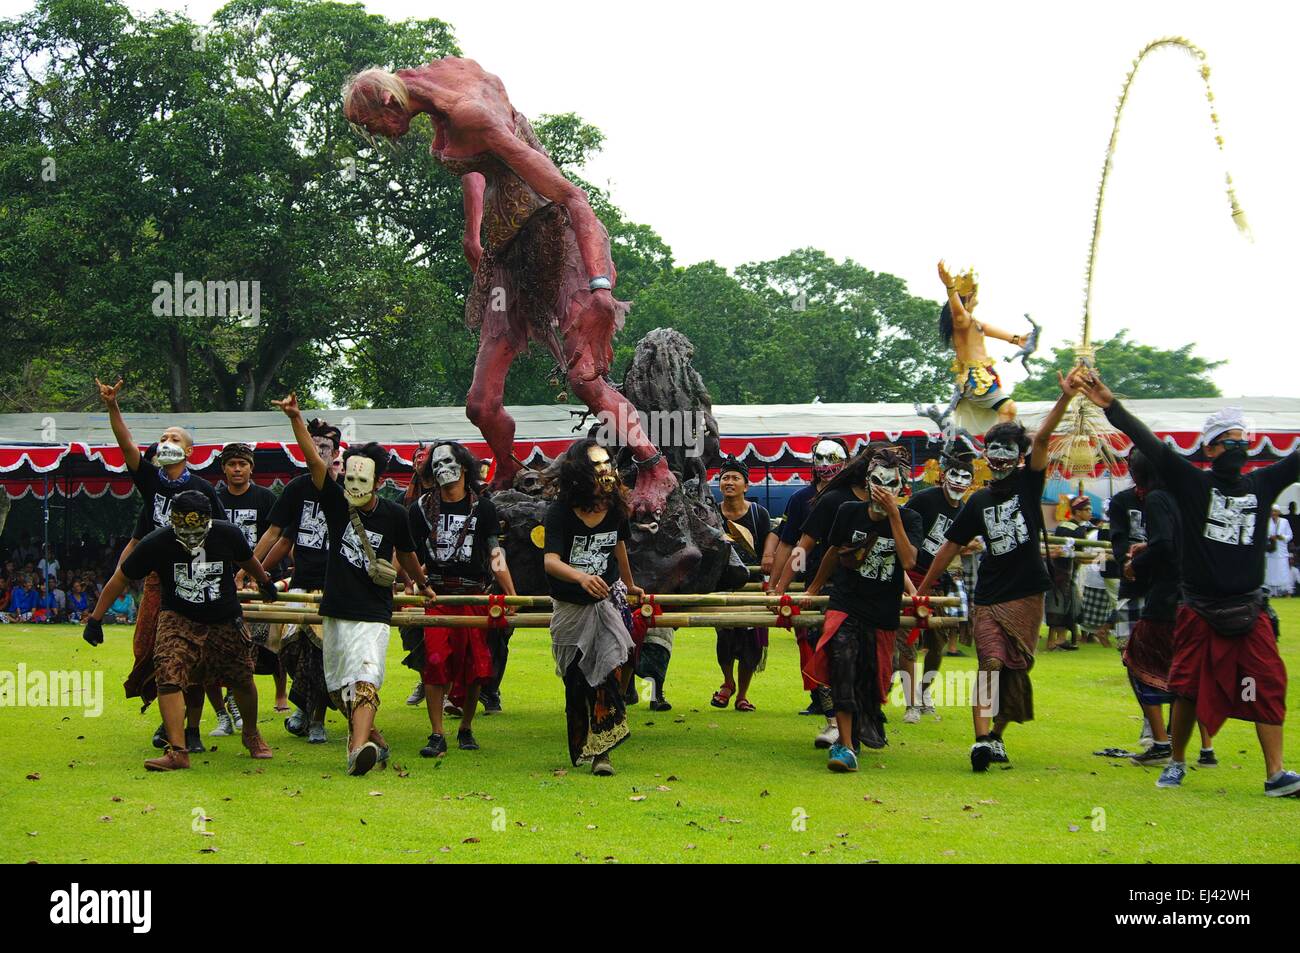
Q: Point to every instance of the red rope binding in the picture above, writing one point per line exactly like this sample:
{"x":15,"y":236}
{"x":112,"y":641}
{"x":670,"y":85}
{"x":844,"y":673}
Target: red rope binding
{"x":785,"y":611}
{"x":496,"y":611}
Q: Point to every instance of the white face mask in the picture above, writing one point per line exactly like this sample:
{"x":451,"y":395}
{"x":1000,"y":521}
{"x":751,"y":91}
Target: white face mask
{"x":445,"y":468}
{"x":828,"y":459}
{"x":605,"y":476}
{"x":359,"y":480}
{"x":956,"y":483}
{"x":168,"y":453}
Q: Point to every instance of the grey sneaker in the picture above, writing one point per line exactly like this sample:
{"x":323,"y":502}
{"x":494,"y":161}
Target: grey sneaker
{"x":929,"y":710}
{"x":601,"y":767}
{"x":912,"y":716}
{"x":999,"y":751}
{"x":417,"y":695}
{"x":316,"y":733}
{"x":828,"y":737}
{"x":1283,"y":784}
{"x":296,"y":724}
{"x":1172,"y":776}
{"x":225,"y":726}
{"x":363,"y":759}
{"x":1156,"y":754}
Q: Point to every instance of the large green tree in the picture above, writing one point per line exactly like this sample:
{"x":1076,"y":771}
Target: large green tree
{"x":1130,"y":369}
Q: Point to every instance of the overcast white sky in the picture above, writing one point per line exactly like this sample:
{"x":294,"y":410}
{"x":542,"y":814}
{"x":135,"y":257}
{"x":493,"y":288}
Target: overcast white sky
{"x":896,"y":134}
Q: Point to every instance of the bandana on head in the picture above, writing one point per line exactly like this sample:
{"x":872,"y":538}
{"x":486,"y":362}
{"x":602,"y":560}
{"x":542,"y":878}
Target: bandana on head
{"x":1221,"y":421}
{"x":236,"y":451}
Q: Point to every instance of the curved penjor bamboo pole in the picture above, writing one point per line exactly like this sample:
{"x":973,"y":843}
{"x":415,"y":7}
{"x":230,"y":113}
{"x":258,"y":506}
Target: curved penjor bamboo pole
{"x":1238,"y":216}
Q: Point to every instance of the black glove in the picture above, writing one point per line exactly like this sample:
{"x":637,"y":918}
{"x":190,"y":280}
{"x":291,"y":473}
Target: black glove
{"x":268,"y":591}
{"x":93,"y":633}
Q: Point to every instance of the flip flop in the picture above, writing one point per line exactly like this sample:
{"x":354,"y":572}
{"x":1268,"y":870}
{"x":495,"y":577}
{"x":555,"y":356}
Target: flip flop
{"x":744,"y":704}
{"x":722,"y":697}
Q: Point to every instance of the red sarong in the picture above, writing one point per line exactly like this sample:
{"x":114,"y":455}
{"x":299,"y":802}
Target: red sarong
{"x":818,"y":669}
{"x":1242,"y":678}
{"x":454,"y":656}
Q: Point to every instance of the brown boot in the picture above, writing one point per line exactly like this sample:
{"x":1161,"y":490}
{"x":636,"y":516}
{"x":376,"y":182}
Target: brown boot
{"x":257,"y":748}
{"x":173,"y":759}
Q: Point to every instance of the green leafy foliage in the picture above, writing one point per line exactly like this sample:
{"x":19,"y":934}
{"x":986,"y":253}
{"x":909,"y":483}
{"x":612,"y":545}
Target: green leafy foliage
{"x":1130,"y":369}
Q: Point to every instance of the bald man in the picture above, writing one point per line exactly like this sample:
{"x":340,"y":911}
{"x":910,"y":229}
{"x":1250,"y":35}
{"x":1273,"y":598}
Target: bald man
{"x":159,"y":477}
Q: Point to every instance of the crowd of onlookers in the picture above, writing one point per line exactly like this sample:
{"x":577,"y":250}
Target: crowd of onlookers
{"x":60,"y":584}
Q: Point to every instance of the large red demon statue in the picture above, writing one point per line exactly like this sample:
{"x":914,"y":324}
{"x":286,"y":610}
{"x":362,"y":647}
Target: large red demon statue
{"x":541,"y":261}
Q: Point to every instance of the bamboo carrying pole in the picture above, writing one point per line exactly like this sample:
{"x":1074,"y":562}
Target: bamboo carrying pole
{"x":728,"y":600}
{"x":541,"y":620}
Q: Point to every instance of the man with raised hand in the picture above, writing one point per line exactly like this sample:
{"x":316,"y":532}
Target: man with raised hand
{"x":159,"y":478}
{"x":365,"y":533}
{"x":1226,"y":663}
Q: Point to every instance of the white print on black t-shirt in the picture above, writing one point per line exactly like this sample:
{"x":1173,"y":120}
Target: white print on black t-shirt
{"x":588,"y":553}
{"x":1231,"y":519}
{"x":449,"y":530}
{"x":879,"y":563}
{"x":246,"y":520}
{"x":311,"y":526}
{"x":353,"y":551}
{"x":199,"y":581}
{"x":938,"y":535}
{"x":1005,"y":527}
{"x":162,"y":510}
{"x":1137,"y":527}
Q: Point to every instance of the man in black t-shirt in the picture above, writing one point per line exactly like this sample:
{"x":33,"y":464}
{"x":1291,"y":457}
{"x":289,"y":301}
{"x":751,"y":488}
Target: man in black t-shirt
{"x":365,"y":534}
{"x":455,"y":527}
{"x":585,"y":557}
{"x":1225,"y":663}
{"x":248,"y":506}
{"x":297,"y":527}
{"x":1008,"y":596}
{"x":159,"y":474}
{"x":938,"y":506}
{"x":201,"y":634}
{"x":829,"y":455}
{"x":869,"y":547}
{"x":748,"y":527}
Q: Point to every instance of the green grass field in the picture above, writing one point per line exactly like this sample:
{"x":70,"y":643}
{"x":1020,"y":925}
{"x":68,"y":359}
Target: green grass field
{"x":694,"y":785}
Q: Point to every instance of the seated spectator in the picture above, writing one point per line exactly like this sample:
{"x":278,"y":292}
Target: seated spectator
{"x":5,"y":596}
{"x":78,"y":602}
{"x":22,"y":602}
{"x":122,"y":610}
{"x":42,"y":608}
{"x":60,"y":599}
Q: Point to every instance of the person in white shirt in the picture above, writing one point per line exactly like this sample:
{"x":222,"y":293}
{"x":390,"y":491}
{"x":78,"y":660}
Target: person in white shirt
{"x":1277,"y":571}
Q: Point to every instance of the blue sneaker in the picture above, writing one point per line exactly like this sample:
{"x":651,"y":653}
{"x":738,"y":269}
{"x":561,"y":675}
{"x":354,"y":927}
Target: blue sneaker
{"x":1284,"y":784}
{"x":1172,"y":776}
{"x":842,"y":759}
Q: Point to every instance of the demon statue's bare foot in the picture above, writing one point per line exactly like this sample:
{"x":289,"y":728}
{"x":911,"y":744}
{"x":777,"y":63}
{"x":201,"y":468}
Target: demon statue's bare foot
{"x":650,"y":495}
{"x":503,"y":478}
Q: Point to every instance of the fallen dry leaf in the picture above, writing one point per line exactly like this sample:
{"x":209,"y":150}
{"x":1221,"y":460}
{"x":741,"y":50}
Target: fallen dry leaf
{"x":637,"y":797}
{"x":470,"y":840}
{"x":34,"y":776}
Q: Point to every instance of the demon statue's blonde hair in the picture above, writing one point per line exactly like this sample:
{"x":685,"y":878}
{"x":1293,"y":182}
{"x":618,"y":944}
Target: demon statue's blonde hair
{"x":364,"y":93}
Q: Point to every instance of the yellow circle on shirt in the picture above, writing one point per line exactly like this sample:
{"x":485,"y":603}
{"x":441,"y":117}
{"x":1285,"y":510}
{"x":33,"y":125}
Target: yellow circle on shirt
{"x":538,"y":536}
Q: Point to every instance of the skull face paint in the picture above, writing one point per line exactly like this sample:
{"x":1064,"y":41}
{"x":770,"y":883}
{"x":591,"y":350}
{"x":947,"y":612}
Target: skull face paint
{"x":605,"y":476}
{"x":1003,"y":459}
{"x":887,"y":478}
{"x":444,"y":466}
{"x":191,"y":528}
{"x":359,"y":480}
{"x":828,"y":459}
{"x":956,"y":481}
{"x":168,"y":453}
